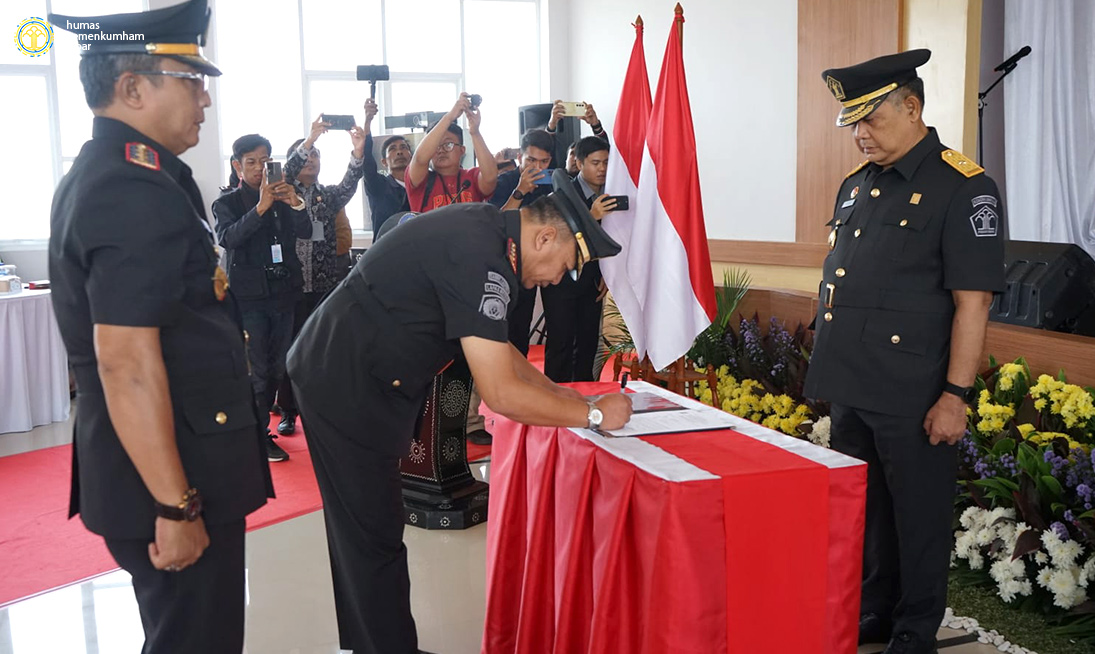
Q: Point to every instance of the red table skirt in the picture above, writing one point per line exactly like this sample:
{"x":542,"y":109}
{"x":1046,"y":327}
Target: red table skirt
{"x":758,"y":553}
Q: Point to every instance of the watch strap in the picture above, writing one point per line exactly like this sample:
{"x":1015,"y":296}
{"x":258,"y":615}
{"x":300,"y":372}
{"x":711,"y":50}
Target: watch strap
{"x":189,"y":509}
{"x":964,"y":392}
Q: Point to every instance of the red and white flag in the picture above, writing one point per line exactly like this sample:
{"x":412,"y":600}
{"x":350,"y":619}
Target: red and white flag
{"x":662,"y":280}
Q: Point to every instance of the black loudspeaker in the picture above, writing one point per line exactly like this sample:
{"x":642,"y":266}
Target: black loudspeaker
{"x":536,"y":116}
{"x":1049,"y":286}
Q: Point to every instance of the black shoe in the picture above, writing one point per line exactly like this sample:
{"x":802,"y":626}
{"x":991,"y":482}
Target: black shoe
{"x":874,"y":628}
{"x":288,"y":424}
{"x":276,"y":410}
{"x":480,"y":437}
{"x":907,"y":642}
{"x":273,"y":452}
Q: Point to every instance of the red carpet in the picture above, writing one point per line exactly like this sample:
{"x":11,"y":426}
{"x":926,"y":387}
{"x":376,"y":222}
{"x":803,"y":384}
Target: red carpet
{"x":41,"y":549}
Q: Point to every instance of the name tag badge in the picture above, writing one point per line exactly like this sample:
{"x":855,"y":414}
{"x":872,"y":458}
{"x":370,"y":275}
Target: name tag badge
{"x":847,"y":203}
{"x":275,"y":253}
{"x":317,"y":230}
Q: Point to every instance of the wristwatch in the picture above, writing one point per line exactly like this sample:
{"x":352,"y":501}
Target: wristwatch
{"x":595,"y":417}
{"x":517,"y":194}
{"x":189,"y":509}
{"x":967,"y":393}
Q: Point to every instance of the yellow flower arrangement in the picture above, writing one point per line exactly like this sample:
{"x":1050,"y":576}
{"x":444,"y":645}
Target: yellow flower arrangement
{"x":749,"y":400}
{"x":1073,"y":404}
{"x":994,"y":417}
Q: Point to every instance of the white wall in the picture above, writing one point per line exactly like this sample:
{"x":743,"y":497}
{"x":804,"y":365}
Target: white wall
{"x":741,"y":60}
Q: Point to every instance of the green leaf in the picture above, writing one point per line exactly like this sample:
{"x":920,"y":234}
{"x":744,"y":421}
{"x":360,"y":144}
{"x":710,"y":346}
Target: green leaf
{"x":1050,"y":482}
{"x":1003,"y":446}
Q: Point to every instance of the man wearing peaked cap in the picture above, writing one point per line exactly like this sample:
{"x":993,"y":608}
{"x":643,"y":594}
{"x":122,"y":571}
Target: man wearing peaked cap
{"x":437,"y":286}
{"x":177,"y":32}
{"x":168,"y":458}
{"x":915,"y":253}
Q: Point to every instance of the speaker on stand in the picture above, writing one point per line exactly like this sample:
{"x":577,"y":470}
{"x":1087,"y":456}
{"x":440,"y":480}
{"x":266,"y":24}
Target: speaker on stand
{"x":568,"y":131}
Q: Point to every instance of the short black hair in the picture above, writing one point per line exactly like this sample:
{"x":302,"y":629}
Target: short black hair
{"x":588,"y":146}
{"x":453,"y":128}
{"x":914,"y":87}
{"x":538,"y":138}
{"x":250,"y":143}
{"x":99,"y":72}
{"x":544,"y":211}
{"x":391,"y":140}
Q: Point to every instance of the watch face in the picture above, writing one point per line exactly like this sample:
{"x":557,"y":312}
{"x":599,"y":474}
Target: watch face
{"x":597,"y":416}
{"x":193,"y":508}
{"x":970,"y":395}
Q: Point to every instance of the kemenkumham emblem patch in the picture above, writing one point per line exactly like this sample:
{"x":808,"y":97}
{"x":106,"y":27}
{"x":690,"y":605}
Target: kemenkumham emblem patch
{"x":985,"y":221}
{"x":495,"y":300}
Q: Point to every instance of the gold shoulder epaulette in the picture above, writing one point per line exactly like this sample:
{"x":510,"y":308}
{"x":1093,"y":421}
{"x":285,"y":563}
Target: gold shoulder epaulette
{"x":961,"y":163}
{"x":857,"y":168}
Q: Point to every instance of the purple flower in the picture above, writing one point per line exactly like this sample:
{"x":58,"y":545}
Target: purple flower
{"x":1069,"y":516}
{"x":1060,"y":529}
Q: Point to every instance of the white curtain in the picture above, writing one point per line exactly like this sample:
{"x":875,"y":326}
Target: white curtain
{"x":1049,"y":110}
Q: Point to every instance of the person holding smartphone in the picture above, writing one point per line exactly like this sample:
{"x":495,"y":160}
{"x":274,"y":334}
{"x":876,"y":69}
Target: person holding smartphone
{"x":572,"y":309}
{"x":258,"y":223}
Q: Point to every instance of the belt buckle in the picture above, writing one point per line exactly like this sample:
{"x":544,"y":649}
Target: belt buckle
{"x":830,"y":290}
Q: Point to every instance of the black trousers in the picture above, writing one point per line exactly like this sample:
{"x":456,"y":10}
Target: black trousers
{"x":572,"y":315}
{"x":910,"y":508}
{"x":269,"y":333}
{"x":362,"y":495}
{"x":199,"y":609}
{"x":305,"y":307}
{"x":520,"y":319}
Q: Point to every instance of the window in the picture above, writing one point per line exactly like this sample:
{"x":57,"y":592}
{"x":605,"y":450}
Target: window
{"x":47,"y":118}
{"x":304,"y":54}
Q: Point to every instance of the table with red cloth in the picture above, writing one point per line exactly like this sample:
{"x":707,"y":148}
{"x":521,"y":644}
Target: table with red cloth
{"x":744,"y":541}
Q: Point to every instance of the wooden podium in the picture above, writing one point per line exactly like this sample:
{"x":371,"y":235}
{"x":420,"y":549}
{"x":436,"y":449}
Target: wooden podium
{"x":438,"y":489}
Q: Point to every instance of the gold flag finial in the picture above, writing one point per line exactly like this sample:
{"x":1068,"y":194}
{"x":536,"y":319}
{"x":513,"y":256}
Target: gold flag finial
{"x":678,"y":12}
{"x":638,"y":21}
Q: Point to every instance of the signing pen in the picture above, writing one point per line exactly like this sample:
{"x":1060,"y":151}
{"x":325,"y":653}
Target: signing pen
{"x":623,"y":383}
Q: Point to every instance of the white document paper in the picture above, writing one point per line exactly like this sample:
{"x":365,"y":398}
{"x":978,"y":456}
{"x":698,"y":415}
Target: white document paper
{"x":671,"y":422}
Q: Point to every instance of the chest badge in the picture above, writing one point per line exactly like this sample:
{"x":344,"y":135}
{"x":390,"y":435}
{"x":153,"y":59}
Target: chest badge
{"x":915,"y":199}
{"x":855,"y":192}
{"x":512,"y":253}
{"x":220,"y":284}
{"x":832,"y":239}
{"x":142,"y":155}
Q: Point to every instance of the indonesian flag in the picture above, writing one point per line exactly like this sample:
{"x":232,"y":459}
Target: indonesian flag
{"x":661,"y":281}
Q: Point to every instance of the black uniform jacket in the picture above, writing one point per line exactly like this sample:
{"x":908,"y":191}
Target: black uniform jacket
{"x":129,"y":246}
{"x":365,"y":359}
{"x":249,"y":237}
{"x":903,"y":238}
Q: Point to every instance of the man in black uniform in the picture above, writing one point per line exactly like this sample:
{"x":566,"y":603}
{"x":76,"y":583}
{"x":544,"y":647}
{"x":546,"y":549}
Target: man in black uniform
{"x":260,"y":234}
{"x":434,"y":288}
{"x":916,"y":252}
{"x":167,"y":459}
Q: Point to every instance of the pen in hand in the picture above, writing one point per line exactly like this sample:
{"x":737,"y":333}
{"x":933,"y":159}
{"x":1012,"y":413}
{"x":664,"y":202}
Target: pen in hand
{"x":623,"y":382}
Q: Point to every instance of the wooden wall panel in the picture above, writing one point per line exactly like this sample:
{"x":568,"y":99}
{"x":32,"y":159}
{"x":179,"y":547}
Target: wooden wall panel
{"x":1045,"y":351}
{"x":832,"y":34}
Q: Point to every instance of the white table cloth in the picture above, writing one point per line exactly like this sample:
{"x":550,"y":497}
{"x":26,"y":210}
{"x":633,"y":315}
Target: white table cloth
{"x":33,"y":363}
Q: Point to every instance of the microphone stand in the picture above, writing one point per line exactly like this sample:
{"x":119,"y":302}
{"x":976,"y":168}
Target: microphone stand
{"x":981,"y":113}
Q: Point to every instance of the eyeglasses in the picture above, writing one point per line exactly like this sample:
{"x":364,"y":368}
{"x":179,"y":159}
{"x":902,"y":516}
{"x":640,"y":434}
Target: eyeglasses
{"x":202,"y":81}
{"x":447,"y":147}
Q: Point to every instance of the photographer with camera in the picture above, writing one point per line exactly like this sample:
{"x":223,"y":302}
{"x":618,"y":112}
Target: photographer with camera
{"x":258,"y":223}
{"x":435,"y":177}
{"x":318,"y":252}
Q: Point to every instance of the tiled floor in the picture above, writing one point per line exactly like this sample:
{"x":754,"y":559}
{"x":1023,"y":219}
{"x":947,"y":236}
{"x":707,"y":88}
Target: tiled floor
{"x":290,"y":608}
